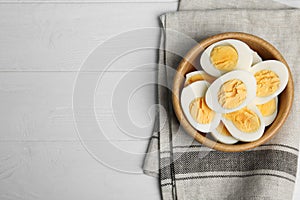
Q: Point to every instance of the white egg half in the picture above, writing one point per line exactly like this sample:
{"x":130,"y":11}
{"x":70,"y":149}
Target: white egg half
{"x":279,"y":69}
{"x":246,"y":77}
{"x":195,"y":74}
{"x":243,"y":136}
{"x":256,"y":58}
{"x":190,"y":93}
{"x":269,"y":119}
{"x":226,"y":139}
{"x":245,"y":57}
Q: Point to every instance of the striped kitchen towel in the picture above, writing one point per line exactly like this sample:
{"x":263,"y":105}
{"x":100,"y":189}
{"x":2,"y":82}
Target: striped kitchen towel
{"x":189,"y":171}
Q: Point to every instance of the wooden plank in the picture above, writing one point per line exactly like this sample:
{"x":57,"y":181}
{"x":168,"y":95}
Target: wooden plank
{"x":64,"y":170}
{"x":38,"y":105}
{"x":86,"y":1}
{"x":59,"y":37}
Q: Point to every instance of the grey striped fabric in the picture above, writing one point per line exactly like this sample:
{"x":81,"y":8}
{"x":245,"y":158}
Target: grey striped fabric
{"x":189,"y":171}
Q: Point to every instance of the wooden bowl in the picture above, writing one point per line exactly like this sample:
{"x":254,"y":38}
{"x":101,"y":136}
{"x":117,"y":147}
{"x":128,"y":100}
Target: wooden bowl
{"x":191,"y":62}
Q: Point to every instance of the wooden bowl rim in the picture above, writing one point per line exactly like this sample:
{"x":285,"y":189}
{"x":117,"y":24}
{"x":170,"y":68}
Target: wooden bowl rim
{"x":177,"y":93}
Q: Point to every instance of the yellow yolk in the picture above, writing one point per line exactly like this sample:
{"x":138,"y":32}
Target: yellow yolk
{"x":232,"y":94}
{"x":245,"y":120}
{"x":223,"y":130}
{"x":200,"y":112}
{"x":200,"y":77}
{"x":224,"y":58}
{"x":267,"y":82}
{"x":268,"y":108}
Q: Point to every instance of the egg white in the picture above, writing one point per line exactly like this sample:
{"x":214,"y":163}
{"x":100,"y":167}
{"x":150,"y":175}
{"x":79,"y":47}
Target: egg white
{"x":191,"y":74}
{"x":223,"y":138}
{"x":246,"y":77}
{"x":191,"y":92}
{"x":256,"y":58}
{"x":245,"y":57}
{"x":282,"y":72}
{"x":269,"y":119}
{"x":242,"y":136}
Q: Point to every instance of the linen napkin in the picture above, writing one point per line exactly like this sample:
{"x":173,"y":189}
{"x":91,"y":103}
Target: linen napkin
{"x":186,"y":169}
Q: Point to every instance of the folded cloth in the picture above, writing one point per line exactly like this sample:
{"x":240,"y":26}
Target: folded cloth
{"x":186,"y":169}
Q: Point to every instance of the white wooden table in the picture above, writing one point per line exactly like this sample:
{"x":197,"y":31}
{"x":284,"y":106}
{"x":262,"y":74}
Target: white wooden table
{"x":42,"y":47}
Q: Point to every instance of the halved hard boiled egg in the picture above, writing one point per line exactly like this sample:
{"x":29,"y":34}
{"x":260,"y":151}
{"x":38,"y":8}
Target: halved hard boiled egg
{"x":198,"y":76}
{"x":231,"y":91}
{"x":271,"y":79}
{"x":222,"y":134}
{"x":269,"y":110}
{"x":246,"y":124}
{"x":194,"y":106}
{"x":226,"y":55}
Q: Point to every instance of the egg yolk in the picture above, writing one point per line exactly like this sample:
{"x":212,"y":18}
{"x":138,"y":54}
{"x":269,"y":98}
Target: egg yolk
{"x":232,"y":94}
{"x":224,"y":58}
{"x":267,"y":82}
{"x":245,"y":120}
{"x":200,"y":77}
{"x":268,"y":108}
{"x":223,"y":130}
{"x":200,"y":112}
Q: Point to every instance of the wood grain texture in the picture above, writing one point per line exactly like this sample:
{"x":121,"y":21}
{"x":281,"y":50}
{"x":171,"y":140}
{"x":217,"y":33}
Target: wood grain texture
{"x":38,"y":105}
{"x":59,"y":37}
{"x":86,"y":1}
{"x":64,"y":170}
{"x":42,"y":46}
